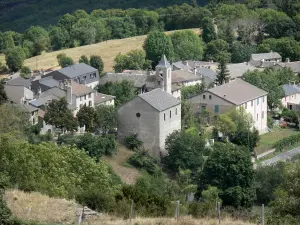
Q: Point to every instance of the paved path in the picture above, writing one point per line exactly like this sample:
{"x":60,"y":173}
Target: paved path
{"x":282,"y":157}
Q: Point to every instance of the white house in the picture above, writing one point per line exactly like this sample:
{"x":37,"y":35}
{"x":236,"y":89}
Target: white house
{"x":291,"y":99}
{"x":235,"y":94}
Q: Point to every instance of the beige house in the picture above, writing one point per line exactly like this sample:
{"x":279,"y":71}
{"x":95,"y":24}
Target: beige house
{"x":291,"y":98}
{"x":152,"y":116}
{"x":235,"y":94}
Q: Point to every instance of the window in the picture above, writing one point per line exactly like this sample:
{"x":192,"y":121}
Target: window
{"x":252,"y":103}
{"x":92,"y":76}
{"x":138,"y":115}
{"x":84,"y":78}
{"x":90,"y":103}
{"x":80,"y":98}
{"x":164,"y":117}
{"x":262,"y":115}
{"x":84,"y":97}
{"x":203,"y":96}
{"x":176,"y":111}
{"x":209,"y":96}
{"x":257,"y":116}
{"x":257,"y":101}
{"x":90,"y":95}
{"x":216,"y":109}
{"x":170,"y":114}
{"x":263,"y":99}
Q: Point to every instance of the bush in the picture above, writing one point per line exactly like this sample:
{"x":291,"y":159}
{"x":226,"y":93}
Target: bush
{"x":143,"y":160}
{"x":132,"y":142}
{"x":287,"y":142}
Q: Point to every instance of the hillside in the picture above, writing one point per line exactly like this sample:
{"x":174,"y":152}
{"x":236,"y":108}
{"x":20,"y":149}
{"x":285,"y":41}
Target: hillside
{"x":40,"y":208}
{"x":18,"y":15}
{"x":107,"y":50}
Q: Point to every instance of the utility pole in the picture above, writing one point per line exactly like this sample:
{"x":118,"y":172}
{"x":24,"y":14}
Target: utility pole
{"x":262,"y":214}
{"x":131,"y":210}
{"x":219,"y":212}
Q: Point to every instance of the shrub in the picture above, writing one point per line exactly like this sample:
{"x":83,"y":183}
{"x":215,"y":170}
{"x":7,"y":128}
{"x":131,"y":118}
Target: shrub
{"x":143,"y":160}
{"x":287,"y":142}
{"x":132,"y":142}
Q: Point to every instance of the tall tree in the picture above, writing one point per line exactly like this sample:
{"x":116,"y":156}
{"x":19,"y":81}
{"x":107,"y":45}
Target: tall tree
{"x":97,"y":62}
{"x":84,"y":59}
{"x":15,"y":58}
{"x":229,"y":168}
{"x":223,"y":75}
{"x":86,"y":117}
{"x":67,"y":21}
{"x":208,"y":30}
{"x":40,"y":38}
{"x":64,"y":60}
{"x":3,"y":96}
{"x":59,"y":115}
{"x":59,"y":37}
{"x":105,"y":119}
{"x":156,"y":45}
{"x":25,"y":72}
{"x":215,"y":48}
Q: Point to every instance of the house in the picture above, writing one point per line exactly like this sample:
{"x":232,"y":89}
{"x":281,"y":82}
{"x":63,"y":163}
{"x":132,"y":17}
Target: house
{"x":18,"y":94}
{"x":294,"y":66}
{"x":265,"y":59}
{"x":234,"y":95}
{"x":291,"y":98}
{"x":237,"y":70}
{"x":102,"y":99}
{"x":80,"y":73}
{"x":32,"y":111}
{"x":152,"y":116}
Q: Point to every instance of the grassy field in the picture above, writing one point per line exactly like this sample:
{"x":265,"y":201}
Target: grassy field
{"x":40,"y":208}
{"x":127,"y":174}
{"x":107,"y":50}
{"x":267,"y":140}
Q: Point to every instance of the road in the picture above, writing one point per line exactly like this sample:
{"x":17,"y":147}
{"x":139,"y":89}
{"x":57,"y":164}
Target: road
{"x":282,"y":157}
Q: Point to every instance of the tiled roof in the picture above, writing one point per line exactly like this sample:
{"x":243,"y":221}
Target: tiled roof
{"x":80,"y":90}
{"x":159,"y":99}
{"x":237,"y":91}
{"x":239,"y":69}
{"x":19,"y":81}
{"x":262,"y":56}
{"x":180,"y":76}
{"x":290,"y":89}
{"x":100,"y":98}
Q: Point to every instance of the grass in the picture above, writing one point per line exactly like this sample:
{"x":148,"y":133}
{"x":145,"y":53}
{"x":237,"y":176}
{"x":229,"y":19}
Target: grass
{"x":107,"y":50}
{"x":119,"y":164}
{"x":44,"y":210}
{"x":268,"y":140}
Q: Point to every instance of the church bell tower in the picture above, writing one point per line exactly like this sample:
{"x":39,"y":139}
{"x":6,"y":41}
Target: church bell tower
{"x":164,"y":69}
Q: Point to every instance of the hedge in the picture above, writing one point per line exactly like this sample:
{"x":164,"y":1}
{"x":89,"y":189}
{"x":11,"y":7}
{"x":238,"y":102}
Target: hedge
{"x":287,"y":142}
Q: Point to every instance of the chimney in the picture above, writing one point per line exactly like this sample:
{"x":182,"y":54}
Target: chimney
{"x":224,"y":95}
{"x":39,"y":91}
{"x":69,"y":91}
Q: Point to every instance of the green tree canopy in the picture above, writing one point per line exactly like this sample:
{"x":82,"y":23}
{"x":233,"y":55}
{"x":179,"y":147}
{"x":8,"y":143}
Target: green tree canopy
{"x":25,"y":72}
{"x":105,"y":119}
{"x":133,"y":60}
{"x":97,"y":62}
{"x":59,"y":37}
{"x":86,"y":117}
{"x":64,"y":60}
{"x":223,"y":75}
{"x":208,"y":30}
{"x":156,"y":45}
{"x":216,"y":48}
{"x":241,"y":52}
{"x":67,"y":21}
{"x":15,"y":58}
{"x":40,"y":38}
{"x":229,"y":168}
{"x":59,"y":115}
{"x":187,"y":45}
{"x":84,"y":59}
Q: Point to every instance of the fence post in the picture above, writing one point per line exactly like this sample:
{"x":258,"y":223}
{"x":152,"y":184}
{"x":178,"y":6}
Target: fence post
{"x":177,"y":210}
{"x":131,"y":210}
{"x":263,"y":214}
{"x":219,"y":212}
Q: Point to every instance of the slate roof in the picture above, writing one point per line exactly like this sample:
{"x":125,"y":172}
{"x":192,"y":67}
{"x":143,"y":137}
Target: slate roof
{"x":290,"y":89}
{"x":159,"y":99}
{"x":80,"y":90}
{"x":181,"y":65}
{"x":49,"y":82}
{"x":28,"y":108}
{"x":77,"y":70}
{"x":163,"y":62}
{"x":15,"y":93}
{"x":237,"y":91}
{"x":180,"y":76}
{"x":100,"y":98}
{"x":19,"y":81}
{"x":294,"y":66}
{"x":261,"y":56}
{"x":239,"y":69}
{"x":207,"y":73}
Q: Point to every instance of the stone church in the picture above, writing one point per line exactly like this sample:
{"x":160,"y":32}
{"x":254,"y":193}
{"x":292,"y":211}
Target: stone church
{"x":153,"y":115}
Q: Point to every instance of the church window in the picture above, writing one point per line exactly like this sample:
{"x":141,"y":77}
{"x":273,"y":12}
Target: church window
{"x":170,"y":113}
{"x":209,"y":96}
{"x":203,"y":96}
{"x":138,"y":115}
{"x":176,"y":111}
{"x":164,"y":117}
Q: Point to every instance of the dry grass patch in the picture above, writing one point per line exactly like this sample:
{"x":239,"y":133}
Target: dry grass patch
{"x":108,"y":220}
{"x":41,"y":208}
{"x":107,"y":50}
{"x":117,"y":161}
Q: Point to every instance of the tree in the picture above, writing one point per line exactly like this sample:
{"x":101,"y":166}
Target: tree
{"x":105,"y":119}
{"x":83,"y":32}
{"x":124,"y":91}
{"x":208,"y":30}
{"x":102,"y":31}
{"x":40,"y":38}
{"x":59,"y":115}
{"x":15,"y":58}
{"x":3,"y":96}
{"x":59,"y":37}
{"x":229,"y":168}
{"x":216,"y":48}
{"x":80,"y":14}
{"x":223,"y":75}
{"x":241,"y":53}
{"x":185,"y":151}
{"x":97,"y":62}
{"x":157,"y":44}
{"x":84,"y":59}
{"x":67,"y":21}
{"x":25,"y":72}
{"x":226,"y":125}
{"x":6,"y":41}
{"x":187,"y":45}
{"x":133,"y":60}
{"x":85,"y":117}
{"x":64,"y":60}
